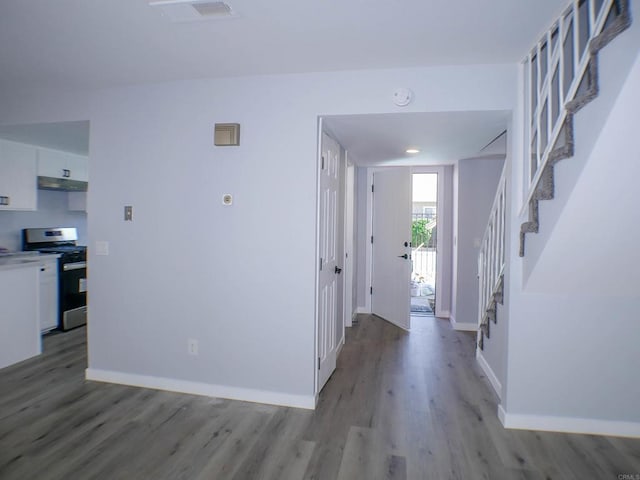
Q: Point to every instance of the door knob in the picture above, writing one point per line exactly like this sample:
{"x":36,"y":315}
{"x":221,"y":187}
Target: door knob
{"x":405,"y":256}
{"x":337,"y":270}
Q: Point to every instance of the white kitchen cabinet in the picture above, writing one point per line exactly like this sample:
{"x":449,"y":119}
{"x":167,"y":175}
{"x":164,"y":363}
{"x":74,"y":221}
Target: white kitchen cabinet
{"x":18,"y":182}
{"x":57,"y":164}
{"x":48,"y":294}
{"x":20,"y":337}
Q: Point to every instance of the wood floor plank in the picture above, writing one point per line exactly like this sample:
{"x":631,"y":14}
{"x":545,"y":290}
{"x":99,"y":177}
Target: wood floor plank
{"x":628,"y":447}
{"x":400,"y":405}
{"x":231,"y":455}
{"x":365,"y":456}
{"x":277,"y":446}
{"x":390,"y":416}
{"x":112,"y":457}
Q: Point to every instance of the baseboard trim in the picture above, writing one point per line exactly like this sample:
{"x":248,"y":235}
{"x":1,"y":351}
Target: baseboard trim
{"x":588,"y":426}
{"x":363,"y":310}
{"x":502,"y":415}
{"x":463,"y":327}
{"x":491,"y":376}
{"x":204,"y":389}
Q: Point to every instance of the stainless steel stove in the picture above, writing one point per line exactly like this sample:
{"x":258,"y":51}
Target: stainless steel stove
{"x":72,"y":270}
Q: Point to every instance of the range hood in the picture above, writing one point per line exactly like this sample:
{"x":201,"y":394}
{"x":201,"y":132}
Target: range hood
{"x":62,"y":184}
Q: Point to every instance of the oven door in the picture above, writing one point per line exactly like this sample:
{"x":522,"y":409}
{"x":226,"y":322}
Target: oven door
{"x":73,"y":295}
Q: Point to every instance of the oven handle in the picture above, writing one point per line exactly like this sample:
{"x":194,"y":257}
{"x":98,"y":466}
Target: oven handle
{"x":74,"y":266}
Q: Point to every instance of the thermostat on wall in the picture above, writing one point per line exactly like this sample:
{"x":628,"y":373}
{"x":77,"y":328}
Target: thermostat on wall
{"x":227,"y":199}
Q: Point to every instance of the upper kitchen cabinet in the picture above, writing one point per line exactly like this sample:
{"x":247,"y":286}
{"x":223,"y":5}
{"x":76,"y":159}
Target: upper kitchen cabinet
{"x":62,"y":165}
{"x":18,"y":182}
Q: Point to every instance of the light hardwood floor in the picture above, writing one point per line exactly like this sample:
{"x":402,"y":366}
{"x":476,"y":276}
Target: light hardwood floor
{"x":399,"y":406}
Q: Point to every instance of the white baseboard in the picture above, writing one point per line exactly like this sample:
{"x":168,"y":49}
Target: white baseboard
{"x":362,"y":310}
{"x":443,"y":313}
{"x":588,"y":426}
{"x":463,"y":327}
{"x":204,"y":389}
{"x":488,"y":371}
{"x":502,"y":415}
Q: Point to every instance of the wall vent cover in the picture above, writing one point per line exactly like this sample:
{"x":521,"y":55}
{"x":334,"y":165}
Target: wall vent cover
{"x":217,"y":9}
{"x":226,"y":135}
{"x":193,"y":10}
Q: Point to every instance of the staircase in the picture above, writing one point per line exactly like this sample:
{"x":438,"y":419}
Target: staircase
{"x":491,"y":262}
{"x":585,"y":29}
{"x":562,"y":77}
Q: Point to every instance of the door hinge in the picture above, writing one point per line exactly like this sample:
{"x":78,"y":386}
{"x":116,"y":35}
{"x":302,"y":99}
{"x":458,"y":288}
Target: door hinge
{"x":370,"y":290}
{"x":320,"y":263}
{"x":318,"y":363}
{"x":371,"y":238}
{"x":322,"y":163}
{"x":372,"y":188}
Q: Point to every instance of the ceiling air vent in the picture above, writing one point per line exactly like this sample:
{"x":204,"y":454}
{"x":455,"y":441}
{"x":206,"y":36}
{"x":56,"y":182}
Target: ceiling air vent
{"x":193,"y":10}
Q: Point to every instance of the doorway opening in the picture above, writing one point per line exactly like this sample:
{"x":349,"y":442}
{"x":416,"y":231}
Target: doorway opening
{"x":424,"y":238}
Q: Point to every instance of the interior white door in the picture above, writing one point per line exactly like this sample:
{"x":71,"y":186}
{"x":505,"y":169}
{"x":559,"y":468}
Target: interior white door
{"x":330,"y":315}
{"x":391,"y":249}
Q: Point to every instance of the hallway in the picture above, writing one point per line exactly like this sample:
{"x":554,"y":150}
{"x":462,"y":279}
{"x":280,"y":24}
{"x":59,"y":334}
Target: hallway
{"x":399,"y":405}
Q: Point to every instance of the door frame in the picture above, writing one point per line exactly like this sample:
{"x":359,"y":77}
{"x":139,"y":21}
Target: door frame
{"x":322,"y":129}
{"x":316,"y":290}
{"x":444,"y":251}
{"x":444,"y":219}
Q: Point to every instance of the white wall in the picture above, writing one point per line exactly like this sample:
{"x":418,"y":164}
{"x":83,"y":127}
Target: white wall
{"x":477,"y":180}
{"x":53,"y":211}
{"x":573,"y":328}
{"x":239,"y":279}
{"x":615,"y":62}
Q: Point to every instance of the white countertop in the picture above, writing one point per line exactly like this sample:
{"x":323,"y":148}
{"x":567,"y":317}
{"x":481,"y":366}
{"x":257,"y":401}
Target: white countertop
{"x":9,"y":261}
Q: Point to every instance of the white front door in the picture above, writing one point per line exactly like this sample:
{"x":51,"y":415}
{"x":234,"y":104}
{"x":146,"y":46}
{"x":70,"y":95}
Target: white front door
{"x":391,"y":259}
{"x":330,"y":318}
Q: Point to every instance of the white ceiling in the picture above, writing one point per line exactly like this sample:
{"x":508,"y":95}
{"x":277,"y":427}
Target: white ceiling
{"x":104,"y":43}
{"x":88,"y":44}
{"x":442,"y":138}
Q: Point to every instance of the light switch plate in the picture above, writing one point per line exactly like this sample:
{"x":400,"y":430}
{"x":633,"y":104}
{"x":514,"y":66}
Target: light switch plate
{"x":128,"y":213}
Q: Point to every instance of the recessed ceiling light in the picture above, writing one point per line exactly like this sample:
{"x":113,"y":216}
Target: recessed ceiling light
{"x":413,"y":150}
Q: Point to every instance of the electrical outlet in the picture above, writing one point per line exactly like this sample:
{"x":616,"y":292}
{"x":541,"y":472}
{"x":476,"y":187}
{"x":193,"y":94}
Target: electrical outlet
{"x":192,"y":346}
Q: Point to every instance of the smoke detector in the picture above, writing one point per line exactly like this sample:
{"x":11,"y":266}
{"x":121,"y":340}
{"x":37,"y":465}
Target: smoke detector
{"x":193,"y":10}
